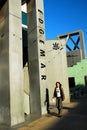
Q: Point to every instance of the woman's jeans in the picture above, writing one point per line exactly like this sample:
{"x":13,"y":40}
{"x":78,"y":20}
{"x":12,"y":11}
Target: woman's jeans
{"x":59,"y":104}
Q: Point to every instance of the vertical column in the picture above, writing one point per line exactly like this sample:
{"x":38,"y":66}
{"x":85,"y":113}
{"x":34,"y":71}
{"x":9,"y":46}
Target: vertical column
{"x":82,"y":44}
{"x":16,"y":63}
{"x":36,"y":51}
{"x":11,"y":75}
{"x":4,"y":66}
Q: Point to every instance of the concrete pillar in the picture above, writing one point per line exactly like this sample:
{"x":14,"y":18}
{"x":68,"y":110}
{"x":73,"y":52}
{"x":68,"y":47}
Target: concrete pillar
{"x":11,"y":70}
{"x":82,"y":44}
{"x":36,"y":53}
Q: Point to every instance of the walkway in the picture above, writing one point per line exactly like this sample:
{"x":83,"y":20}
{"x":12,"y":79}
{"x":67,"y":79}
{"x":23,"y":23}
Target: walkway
{"x":74,"y":118}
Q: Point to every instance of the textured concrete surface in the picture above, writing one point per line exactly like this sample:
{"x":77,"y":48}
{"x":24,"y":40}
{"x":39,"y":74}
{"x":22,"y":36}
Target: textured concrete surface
{"x":56,"y":66}
{"x":11,"y":71}
{"x":36,"y":54}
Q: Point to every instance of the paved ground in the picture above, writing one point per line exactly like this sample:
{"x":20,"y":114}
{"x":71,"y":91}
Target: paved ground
{"x":74,"y":118}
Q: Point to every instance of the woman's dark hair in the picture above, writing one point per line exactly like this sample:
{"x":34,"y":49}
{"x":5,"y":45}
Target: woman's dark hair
{"x":59,"y":84}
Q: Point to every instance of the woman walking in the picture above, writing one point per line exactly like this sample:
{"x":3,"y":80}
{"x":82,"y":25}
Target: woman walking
{"x":59,"y":95}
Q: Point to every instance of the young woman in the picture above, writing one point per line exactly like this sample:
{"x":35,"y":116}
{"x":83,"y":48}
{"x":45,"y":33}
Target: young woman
{"x":59,"y":95}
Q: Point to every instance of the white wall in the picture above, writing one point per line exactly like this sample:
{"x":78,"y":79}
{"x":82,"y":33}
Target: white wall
{"x":56,"y":66}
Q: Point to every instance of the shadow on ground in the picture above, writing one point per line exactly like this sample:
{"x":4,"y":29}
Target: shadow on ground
{"x":75,"y":117}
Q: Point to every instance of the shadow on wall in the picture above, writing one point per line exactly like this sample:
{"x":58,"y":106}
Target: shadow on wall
{"x":25,"y":47}
{"x":47,"y":100}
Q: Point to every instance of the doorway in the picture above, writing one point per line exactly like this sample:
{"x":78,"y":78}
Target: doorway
{"x":85,"y":78}
{"x":71,"y":82}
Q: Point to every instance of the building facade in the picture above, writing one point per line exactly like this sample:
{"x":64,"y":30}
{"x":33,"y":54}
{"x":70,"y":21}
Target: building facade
{"x":25,"y":69}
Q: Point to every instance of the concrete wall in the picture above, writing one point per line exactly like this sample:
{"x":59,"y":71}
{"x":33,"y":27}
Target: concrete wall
{"x":26,"y":90}
{"x":56,"y":66}
{"x":73,"y":57}
{"x":11,"y":65}
{"x":36,"y":55}
{"x":79,"y":71}
{"x":46,"y":63}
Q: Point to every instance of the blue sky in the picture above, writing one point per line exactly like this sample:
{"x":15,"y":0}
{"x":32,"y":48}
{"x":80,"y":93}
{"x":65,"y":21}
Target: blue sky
{"x":62,"y":16}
